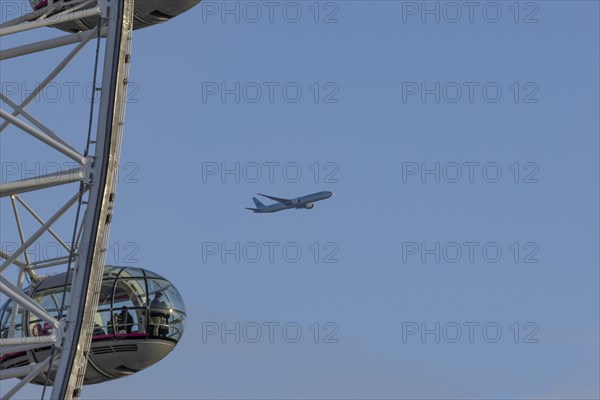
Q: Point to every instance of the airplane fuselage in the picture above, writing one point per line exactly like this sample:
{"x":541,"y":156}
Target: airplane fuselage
{"x":299,"y":202}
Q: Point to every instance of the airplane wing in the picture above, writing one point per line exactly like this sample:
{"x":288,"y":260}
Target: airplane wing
{"x":287,"y":202}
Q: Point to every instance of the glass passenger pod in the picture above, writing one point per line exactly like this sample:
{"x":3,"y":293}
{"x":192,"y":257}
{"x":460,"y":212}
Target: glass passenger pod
{"x":140,"y":319}
{"x":146,"y":12}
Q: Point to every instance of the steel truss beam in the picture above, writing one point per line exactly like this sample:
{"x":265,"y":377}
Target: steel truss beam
{"x":97,"y":177}
{"x":72,"y":16}
{"x":43,"y":45}
{"x":87,"y":279}
{"x":40,"y":232}
{"x":35,"y":370}
{"x":89,"y":36}
{"x":42,"y":182}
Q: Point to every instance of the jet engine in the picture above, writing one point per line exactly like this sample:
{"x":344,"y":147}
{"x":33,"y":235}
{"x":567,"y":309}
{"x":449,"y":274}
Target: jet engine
{"x":146,"y":12}
{"x":309,"y":205}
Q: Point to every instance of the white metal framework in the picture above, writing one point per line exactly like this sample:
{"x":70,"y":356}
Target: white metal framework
{"x":89,"y":188}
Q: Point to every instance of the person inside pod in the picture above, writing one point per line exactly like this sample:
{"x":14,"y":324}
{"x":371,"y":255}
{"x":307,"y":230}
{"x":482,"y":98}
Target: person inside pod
{"x":158,"y":316}
{"x":124,"y":321}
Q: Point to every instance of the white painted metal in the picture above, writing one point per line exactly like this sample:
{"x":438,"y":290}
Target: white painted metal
{"x":43,"y":137}
{"x":20,"y":372}
{"x":13,"y":292}
{"x":52,"y":75}
{"x":34,"y":121}
{"x":49,"y":21}
{"x":96,"y":177}
{"x":42,"y":222}
{"x":39,"y":232}
{"x":87,"y":279}
{"x":28,"y":342}
{"x":36,"y":369}
{"x":41,"y":182}
{"x":44,"y":45}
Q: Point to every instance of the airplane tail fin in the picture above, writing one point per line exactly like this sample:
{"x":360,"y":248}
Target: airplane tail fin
{"x":258,"y":203}
{"x":252,"y":209}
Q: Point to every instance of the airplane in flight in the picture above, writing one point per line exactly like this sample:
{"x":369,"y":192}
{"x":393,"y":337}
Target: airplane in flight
{"x":286,"y":204}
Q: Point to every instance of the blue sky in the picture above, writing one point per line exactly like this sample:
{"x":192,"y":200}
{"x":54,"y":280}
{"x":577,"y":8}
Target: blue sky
{"x":364,"y":131}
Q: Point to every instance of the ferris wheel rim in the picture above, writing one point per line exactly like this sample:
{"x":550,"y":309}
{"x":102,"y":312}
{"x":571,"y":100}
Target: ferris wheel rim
{"x":96,"y":176}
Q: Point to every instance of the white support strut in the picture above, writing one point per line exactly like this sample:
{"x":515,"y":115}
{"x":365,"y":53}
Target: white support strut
{"x":89,"y":266}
